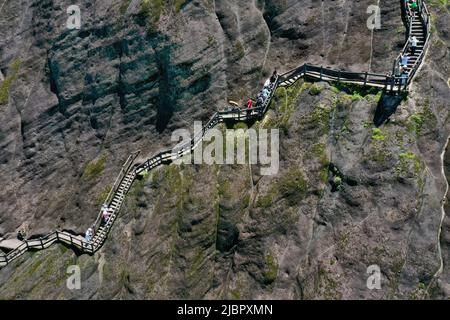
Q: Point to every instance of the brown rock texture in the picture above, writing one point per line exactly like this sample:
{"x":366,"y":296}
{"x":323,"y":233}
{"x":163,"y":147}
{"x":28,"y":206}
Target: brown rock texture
{"x":82,"y":100}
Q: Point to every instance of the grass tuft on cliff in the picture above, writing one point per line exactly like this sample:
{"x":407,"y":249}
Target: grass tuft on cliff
{"x":94,"y":169}
{"x":5,"y":86}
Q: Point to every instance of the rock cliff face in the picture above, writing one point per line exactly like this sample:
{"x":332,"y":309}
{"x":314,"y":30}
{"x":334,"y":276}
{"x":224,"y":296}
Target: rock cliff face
{"x":79,"y":101}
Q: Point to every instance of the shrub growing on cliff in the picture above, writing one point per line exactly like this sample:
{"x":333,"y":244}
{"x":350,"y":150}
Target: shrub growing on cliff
{"x":239,"y":50}
{"x":272,"y":270}
{"x":9,"y":80}
{"x":315,"y":90}
{"x":94,"y":168}
{"x":293,"y":183}
{"x":377,"y":135}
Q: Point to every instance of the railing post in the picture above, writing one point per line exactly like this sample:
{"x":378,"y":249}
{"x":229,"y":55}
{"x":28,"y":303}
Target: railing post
{"x":321,"y":72}
{"x":42,"y":243}
{"x":339,"y":75}
{"x":365,"y":79}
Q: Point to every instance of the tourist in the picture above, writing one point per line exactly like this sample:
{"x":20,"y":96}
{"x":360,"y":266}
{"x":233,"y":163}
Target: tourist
{"x":413,"y":44}
{"x":105,"y":214}
{"x":21,"y":235}
{"x":404,"y":60}
{"x":249,"y":104}
{"x":259,"y":100}
{"x":265,"y":93}
{"x":414,"y":5}
{"x":401,"y":70}
{"x":273,"y":78}
{"x":89,"y":235}
{"x":404,"y":77}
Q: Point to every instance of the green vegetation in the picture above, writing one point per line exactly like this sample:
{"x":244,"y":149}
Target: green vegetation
{"x":335,"y":90}
{"x":177,"y":184}
{"x":137,"y":189}
{"x":239,"y":50}
{"x":94,"y":169}
{"x":342,"y":100}
{"x":212,"y":41}
{"x":379,"y":151}
{"x":293,"y":182}
{"x":357,"y":97}
{"x":223,"y":188}
{"x":321,"y":117}
{"x":438,"y":3}
{"x":266,"y":200}
{"x":377,"y":135}
{"x":375,"y":98}
{"x":5,"y":86}
{"x":337,"y":181}
{"x":124,"y":6}
{"x":285,"y":98}
{"x":271,"y":270}
{"x":356,"y":90}
{"x":240,"y":125}
{"x":235,"y":294}
{"x":343,"y":240}
{"x":326,"y":285}
{"x":152,"y":9}
{"x":416,"y":121}
{"x":319,"y":151}
{"x":195,"y":264}
{"x":103,"y":194}
{"x":405,"y":160}
{"x":315,"y":89}
{"x":395,"y":271}
{"x":178,"y":4}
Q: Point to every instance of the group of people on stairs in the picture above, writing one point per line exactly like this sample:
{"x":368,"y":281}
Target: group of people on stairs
{"x":402,"y":69}
{"x":265,"y":92}
{"x":106,"y":215}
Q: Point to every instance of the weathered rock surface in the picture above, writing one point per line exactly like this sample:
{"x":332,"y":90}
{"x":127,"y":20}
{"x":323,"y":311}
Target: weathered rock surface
{"x":84,"y":99}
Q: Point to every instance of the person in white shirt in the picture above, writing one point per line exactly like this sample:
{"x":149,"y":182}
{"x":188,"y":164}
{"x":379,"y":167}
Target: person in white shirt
{"x":413,"y":44}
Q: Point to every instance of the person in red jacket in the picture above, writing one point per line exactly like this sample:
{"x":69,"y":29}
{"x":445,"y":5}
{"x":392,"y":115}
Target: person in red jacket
{"x":249,"y":106}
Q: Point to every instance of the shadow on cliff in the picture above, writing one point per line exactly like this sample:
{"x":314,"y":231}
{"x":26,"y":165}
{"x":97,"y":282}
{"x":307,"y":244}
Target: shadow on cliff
{"x":386,"y":107}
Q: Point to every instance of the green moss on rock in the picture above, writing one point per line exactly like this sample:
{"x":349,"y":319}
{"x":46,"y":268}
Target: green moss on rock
{"x":5,"y":86}
{"x":94,"y":169}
